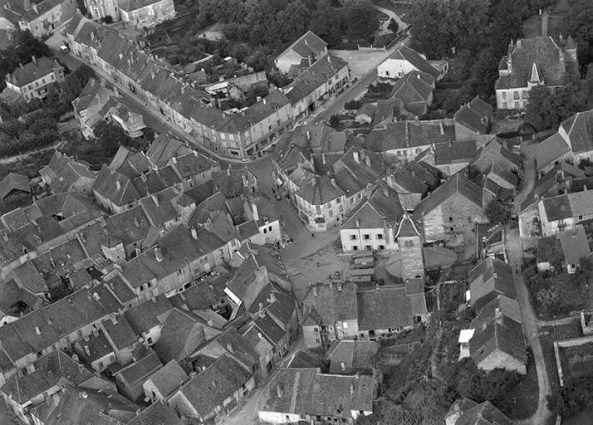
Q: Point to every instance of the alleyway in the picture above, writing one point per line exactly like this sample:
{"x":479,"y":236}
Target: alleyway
{"x":515,"y":249}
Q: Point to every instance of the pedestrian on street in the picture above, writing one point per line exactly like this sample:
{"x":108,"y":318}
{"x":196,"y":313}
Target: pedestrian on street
{"x":313,"y":235}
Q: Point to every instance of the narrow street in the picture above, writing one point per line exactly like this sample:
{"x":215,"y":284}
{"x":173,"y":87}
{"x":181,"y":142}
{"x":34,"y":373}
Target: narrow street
{"x":514,"y":246}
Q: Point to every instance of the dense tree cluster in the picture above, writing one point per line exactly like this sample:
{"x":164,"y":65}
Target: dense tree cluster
{"x":477,"y":31}
{"x":277,"y":23}
{"x":547,"y":109}
{"x":38,"y":130}
{"x":26,"y":46}
{"x":578,"y":22}
{"x":60,"y":95}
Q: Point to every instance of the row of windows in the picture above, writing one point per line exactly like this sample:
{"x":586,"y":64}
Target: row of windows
{"x":366,"y":237}
{"x":369,"y":248}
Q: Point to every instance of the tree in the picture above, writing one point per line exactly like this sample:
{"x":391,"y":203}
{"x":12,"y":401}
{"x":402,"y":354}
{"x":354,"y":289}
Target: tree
{"x":547,"y":109}
{"x":578,"y":22}
{"x":111,"y":137}
{"x":479,"y":385}
{"x":360,"y":20}
{"x":498,"y":212}
{"x":334,"y":121}
{"x":393,"y":26}
{"x":569,"y":399}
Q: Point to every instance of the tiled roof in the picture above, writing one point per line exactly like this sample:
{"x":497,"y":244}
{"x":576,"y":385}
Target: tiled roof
{"x":31,"y":71}
{"x":54,"y":369}
{"x":550,"y":150}
{"x":453,"y":152}
{"x":139,"y":371}
{"x":385,"y":307}
{"x":182,"y":333}
{"x":307,"y":45}
{"x":320,"y":191}
{"x":490,"y":278}
{"x":414,"y":90}
{"x":501,"y":305}
{"x":381,"y":208}
{"x":149,"y":314}
{"x":579,"y":128}
{"x":214,"y":385}
{"x":163,"y":148}
{"x":501,"y":335}
{"x":409,"y":134}
{"x":406,"y":54}
{"x":574,"y":245}
{"x":475,"y":115}
{"x":168,"y":378}
{"x":302,"y":360}
{"x":157,"y":414}
{"x":115,"y":187}
{"x":483,"y":414}
{"x":331,"y":304}
{"x":544,"y":52}
{"x":119,"y":332}
{"x":307,"y":392}
{"x":457,"y":184}
{"x":355,"y":355}
{"x":14,"y":181}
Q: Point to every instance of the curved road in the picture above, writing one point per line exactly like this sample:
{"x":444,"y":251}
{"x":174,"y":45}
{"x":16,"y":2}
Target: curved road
{"x":392,"y":15}
{"x":514,"y":246}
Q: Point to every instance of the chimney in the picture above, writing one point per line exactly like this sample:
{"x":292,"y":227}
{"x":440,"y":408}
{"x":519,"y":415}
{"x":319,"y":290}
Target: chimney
{"x":339,"y":287}
{"x":356,"y":157}
{"x":442,"y":128}
{"x":367,"y":160}
{"x":158,"y":254}
{"x":518,"y":43}
{"x":308,"y":135}
{"x":323,"y":158}
{"x":333,"y":181}
{"x":117,"y":185}
{"x":315,"y":293}
{"x":228,"y":171}
{"x":279,"y":391}
{"x":357,"y":222}
{"x":229,"y":347}
{"x":194,"y":233}
{"x":155,"y":199}
{"x":584,"y":187}
{"x":37,"y":331}
{"x":87,"y":350}
{"x":255,"y":212}
{"x":343,"y":366}
{"x":136,"y":222}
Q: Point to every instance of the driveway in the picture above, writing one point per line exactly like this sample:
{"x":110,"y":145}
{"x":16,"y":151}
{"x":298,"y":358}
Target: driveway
{"x":392,"y":15}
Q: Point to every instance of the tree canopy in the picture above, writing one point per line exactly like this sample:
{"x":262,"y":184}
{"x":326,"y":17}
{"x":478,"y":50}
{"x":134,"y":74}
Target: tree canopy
{"x":578,"y":22}
{"x":547,"y":109}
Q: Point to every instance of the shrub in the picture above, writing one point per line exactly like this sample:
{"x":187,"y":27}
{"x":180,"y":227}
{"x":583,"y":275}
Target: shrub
{"x":353,"y":105}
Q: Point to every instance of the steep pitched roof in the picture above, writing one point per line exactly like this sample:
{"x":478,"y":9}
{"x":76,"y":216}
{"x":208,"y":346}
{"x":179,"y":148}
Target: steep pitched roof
{"x":579,"y":129}
{"x":14,"y":181}
{"x":490,"y":278}
{"x":31,"y":71}
{"x":574,"y":244}
{"x":550,"y":150}
{"x":501,"y":335}
{"x":483,"y":414}
{"x":139,"y":371}
{"x":457,"y":184}
{"x":475,"y":115}
{"x":115,"y":187}
{"x":414,"y":58}
{"x":541,"y":51}
{"x":414,"y":90}
{"x":214,"y":385}
{"x":157,"y":414}
{"x":182,"y":333}
{"x":382,"y":207}
{"x":454,"y":152}
{"x":54,"y":369}
{"x":168,"y":378}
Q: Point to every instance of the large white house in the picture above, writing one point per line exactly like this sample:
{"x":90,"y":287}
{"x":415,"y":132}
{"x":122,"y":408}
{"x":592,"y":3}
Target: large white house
{"x":405,"y":60}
